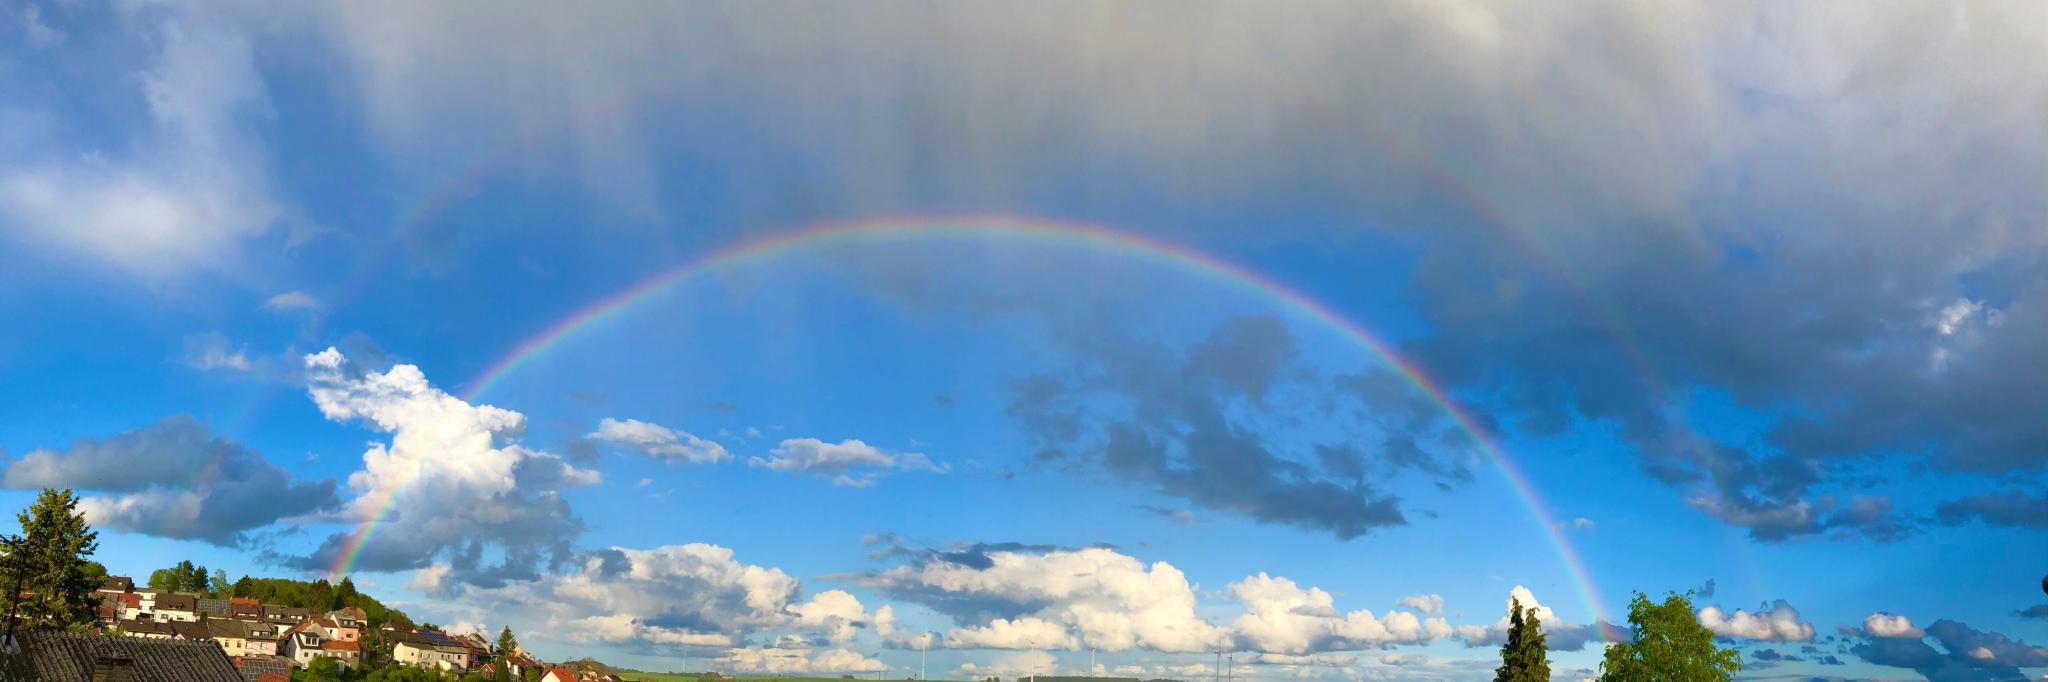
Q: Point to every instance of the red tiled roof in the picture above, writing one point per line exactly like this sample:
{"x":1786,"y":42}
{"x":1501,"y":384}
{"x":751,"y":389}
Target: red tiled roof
{"x":342,"y":645}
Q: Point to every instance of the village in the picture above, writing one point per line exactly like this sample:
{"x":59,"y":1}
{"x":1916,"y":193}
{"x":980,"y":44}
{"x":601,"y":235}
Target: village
{"x":266,"y":642}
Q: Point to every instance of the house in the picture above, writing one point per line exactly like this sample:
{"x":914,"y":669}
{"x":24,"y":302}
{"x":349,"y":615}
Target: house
{"x":144,"y":628}
{"x":148,"y":596}
{"x":233,"y":635}
{"x":265,"y":668}
{"x":290,"y":613}
{"x":348,"y":654}
{"x":334,"y":630}
{"x":195,"y":631}
{"x":349,"y":617}
{"x":245,"y":607}
{"x":214,"y":608}
{"x":116,"y":584}
{"x":130,"y":606}
{"x":61,"y":657}
{"x":433,"y":650}
{"x":262,"y":641}
{"x":559,"y":674}
{"x":176,"y":607}
{"x":518,"y":662}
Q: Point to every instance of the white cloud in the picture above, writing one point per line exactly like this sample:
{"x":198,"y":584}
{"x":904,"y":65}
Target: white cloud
{"x":1583,"y":523}
{"x":451,"y":480}
{"x":191,"y":189}
{"x":1281,"y":617}
{"x":39,"y":33}
{"x":833,"y":613}
{"x":1431,"y":604}
{"x":291,"y":301}
{"x":1777,"y":623}
{"x":847,"y":462}
{"x":1022,"y":633}
{"x":1104,"y":599}
{"x":1561,"y":636}
{"x":1010,"y":665}
{"x":780,"y":661}
{"x":211,"y":351}
{"x":659,"y":441}
{"x":1883,"y":624}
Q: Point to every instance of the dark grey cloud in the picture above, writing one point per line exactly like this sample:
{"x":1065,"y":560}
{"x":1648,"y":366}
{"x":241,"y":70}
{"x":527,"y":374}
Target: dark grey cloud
{"x":175,"y":479}
{"x":1199,"y":425}
{"x":1966,"y":654}
{"x":2011,"y":509}
{"x":2036,"y":612}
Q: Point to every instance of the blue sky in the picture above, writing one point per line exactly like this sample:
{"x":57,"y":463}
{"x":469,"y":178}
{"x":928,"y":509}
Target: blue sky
{"x":1753,"y":296}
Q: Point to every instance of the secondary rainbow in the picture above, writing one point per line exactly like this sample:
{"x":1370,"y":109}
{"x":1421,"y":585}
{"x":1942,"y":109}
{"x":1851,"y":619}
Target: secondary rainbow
{"x":1005,"y":226}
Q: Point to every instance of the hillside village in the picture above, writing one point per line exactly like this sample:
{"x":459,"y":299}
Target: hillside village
{"x":267,"y":642}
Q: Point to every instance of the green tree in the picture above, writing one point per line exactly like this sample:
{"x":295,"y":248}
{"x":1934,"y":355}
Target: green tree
{"x":217,"y":586}
{"x":320,"y":596}
{"x":1670,"y":645}
{"x":51,"y":567}
{"x":1526,"y":655}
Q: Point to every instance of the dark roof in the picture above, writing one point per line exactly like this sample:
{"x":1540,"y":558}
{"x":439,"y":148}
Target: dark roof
{"x":58,"y":657}
{"x":116,"y":583}
{"x":175,"y":602}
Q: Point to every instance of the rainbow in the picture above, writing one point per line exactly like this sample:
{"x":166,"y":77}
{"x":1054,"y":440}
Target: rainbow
{"x":1003,"y":226}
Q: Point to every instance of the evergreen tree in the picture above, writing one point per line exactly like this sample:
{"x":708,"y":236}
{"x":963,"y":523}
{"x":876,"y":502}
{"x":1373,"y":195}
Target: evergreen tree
{"x":244,"y":587}
{"x":507,"y":644}
{"x":1670,"y":645}
{"x":51,"y":567}
{"x":1526,"y":656}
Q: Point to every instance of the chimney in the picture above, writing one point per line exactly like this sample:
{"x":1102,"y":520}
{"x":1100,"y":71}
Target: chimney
{"x":113,"y":669}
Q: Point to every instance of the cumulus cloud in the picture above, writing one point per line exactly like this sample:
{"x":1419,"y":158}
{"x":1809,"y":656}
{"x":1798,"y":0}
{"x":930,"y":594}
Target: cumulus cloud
{"x":1010,"y":665}
{"x":847,"y":462}
{"x":835,"y":614}
{"x":1281,"y":617}
{"x":1559,"y":635}
{"x":786,"y":661}
{"x":1431,"y":604}
{"x":1966,"y":654}
{"x":659,"y":441}
{"x":1883,"y":624}
{"x":691,"y":594}
{"x":1032,"y":597}
{"x":176,"y":479}
{"x":1775,"y":622}
{"x":1023,"y":633}
{"x":183,"y":191}
{"x":452,"y":481}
